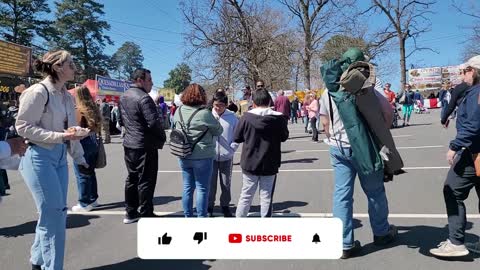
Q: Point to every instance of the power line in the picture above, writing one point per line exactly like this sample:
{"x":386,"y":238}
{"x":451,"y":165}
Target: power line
{"x":146,"y":27}
{"x":155,"y":6}
{"x":148,"y":39}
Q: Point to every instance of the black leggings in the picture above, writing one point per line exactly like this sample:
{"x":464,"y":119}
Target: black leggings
{"x":313,"y":123}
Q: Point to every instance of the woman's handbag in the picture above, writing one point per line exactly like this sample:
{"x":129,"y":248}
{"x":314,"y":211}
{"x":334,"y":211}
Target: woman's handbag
{"x":101,"y":156}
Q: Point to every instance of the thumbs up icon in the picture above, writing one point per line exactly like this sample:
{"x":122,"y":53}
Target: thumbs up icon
{"x":316,"y":239}
{"x":164,"y":240}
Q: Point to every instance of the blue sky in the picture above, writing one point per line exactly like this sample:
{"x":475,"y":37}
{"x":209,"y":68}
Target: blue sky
{"x":162,"y":26}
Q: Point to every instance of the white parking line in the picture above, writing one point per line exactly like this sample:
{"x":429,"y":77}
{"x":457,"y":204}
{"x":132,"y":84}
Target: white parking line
{"x":331,"y":170}
{"x":326,"y":150}
{"x":316,"y":215}
{"x":308,"y":140}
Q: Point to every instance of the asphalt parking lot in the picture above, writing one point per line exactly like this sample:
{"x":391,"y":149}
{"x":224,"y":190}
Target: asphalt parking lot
{"x":99,"y":239}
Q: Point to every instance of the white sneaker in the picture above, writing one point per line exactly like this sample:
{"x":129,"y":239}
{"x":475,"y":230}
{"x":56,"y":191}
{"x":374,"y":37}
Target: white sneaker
{"x":473,"y":247}
{"x":94,"y":204}
{"x":127,"y":220}
{"x":447,"y":249}
{"x":79,"y":208}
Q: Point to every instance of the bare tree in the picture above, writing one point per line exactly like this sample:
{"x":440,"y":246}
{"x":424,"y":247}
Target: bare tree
{"x":471,"y":9}
{"x":317,"y":19}
{"x":243,"y":39}
{"x":406,"y":19}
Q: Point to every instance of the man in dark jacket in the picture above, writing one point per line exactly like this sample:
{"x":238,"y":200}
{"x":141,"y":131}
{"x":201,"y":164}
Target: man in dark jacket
{"x":261,"y":130}
{"x":144,"y":135}
{"x":295,"y":109}
{"x":105,"y":110}
{"x":457,"y":96}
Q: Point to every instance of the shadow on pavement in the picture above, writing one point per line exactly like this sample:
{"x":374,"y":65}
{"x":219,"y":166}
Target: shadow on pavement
{"x":424,"y":238}
{"x":300,"y":137}
{"x":281,"y":206}
{"x":301,"y":160}
{"x":73,"y":221}
{"x":137,"y":263}
{"x":159,"y":200}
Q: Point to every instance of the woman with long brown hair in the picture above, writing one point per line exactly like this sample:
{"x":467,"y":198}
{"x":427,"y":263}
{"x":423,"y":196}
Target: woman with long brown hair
{"x":88,"y":116}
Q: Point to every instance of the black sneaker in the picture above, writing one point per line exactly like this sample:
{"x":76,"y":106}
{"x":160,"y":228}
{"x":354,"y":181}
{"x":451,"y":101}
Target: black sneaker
{"x":36,"y":267}
{"x":226,"y":211}
{"x":386,"y":239}
{"x":353,"y":251}
{"x":131,"y":219}
{"x":210,"y":212}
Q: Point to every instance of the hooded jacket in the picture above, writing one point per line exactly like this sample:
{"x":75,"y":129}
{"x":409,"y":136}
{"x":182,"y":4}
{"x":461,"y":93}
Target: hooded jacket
{"x":225,"y":146}
{"x":261,"y":131}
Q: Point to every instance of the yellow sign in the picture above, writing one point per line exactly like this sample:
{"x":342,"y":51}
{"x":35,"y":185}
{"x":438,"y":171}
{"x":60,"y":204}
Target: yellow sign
{"x":167,"y":93}
{"x":14,"y":59}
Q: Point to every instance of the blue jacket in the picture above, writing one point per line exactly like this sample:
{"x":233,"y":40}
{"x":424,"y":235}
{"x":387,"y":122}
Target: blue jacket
{"x":468,"y":122}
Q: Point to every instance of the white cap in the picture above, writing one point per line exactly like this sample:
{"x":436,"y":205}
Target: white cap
{"x":472,"y":62}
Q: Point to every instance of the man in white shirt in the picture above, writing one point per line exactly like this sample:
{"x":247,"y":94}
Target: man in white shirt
{"x":345,"y":171}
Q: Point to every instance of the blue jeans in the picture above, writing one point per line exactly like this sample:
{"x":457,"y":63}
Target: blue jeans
{"x":345,"y":172}
{"x":87,"y":179}
{"x":46,"y":175}
{"x":196,"y":174}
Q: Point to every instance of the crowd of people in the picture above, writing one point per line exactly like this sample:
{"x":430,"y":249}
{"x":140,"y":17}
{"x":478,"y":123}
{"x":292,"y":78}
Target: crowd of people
{"x":205,"y":134}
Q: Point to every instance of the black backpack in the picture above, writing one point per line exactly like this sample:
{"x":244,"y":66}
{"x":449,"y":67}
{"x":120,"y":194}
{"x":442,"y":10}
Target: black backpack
{"x":180,"y":146}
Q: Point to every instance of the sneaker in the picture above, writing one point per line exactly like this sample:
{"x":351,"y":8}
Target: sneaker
{"x":473,"y":247}
{"x":79,"y":208}
{"x":36,"y":267}
{"x":128,"y":220}
{"x":386,"y":239}
{"x":447,"y":249}
{"x":353,"y":251}
{"x":94,"y":204}
{"x":226,"y":211}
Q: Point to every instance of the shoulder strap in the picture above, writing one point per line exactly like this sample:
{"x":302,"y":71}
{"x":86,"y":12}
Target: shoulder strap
{"x":48,"y":94}
{"x":193,"y":114}
{"x":331,"y":111}
{"x":199,"y":139}
{"x":180,"y":114}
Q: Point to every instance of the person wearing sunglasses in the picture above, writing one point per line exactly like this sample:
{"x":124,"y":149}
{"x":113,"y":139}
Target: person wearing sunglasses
{"x":463,"y":174}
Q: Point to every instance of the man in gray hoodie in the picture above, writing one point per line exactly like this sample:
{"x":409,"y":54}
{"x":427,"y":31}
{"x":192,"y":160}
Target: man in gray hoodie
{"x":225,"y":149}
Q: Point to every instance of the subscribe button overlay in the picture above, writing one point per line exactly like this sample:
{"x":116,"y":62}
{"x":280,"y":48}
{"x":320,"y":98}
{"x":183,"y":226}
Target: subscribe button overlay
{"x":240,"y":238}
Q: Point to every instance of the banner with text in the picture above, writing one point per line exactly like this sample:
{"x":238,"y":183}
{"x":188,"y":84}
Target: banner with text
{"x":108,"y":86}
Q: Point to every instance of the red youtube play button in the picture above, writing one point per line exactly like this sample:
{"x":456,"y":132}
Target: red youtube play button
{"x":235,"y":238}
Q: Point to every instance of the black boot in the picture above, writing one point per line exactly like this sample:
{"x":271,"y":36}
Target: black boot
{"x":210,"y":212}
{"x":226,"y":211}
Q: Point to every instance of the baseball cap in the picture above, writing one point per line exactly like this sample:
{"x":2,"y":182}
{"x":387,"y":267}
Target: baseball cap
{"x":472,"y":62}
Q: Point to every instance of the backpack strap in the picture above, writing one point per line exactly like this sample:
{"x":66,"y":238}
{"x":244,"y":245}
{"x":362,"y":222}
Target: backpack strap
{"x":187,"y":125}
{"x":48,"y":95}
{"x":193,"y":114}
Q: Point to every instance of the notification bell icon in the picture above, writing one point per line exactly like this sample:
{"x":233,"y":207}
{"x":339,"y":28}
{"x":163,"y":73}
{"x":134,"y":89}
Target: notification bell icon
{"x":316,"y":239}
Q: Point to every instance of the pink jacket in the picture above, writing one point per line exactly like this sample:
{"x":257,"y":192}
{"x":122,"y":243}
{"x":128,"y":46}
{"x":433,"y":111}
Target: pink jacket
{"x":313,"y":109}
